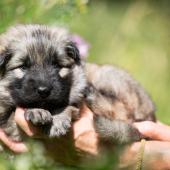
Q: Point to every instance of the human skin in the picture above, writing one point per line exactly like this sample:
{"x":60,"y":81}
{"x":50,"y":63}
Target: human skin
{"x":156,"y":154}
{"x":78,"y":128}
{"x":156,"y":151}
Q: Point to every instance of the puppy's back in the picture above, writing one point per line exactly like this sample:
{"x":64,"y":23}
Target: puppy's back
{"x":117,"y":100}
{"x":127,"y":98}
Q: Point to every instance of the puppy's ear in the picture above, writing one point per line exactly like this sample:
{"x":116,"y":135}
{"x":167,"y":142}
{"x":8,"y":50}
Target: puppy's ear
{"x":5,"y":56}
{"x":73,"y":52}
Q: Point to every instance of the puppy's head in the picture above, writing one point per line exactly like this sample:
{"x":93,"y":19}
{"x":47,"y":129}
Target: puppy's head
{"x":39,"y":62}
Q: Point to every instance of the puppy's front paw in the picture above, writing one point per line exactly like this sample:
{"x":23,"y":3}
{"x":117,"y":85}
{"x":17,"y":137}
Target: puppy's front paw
{"x":60,"y":126}
{"x":38,"y":116}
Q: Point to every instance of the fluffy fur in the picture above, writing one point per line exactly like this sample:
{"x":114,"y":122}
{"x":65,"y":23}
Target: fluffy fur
{"x":117,"y":101}
{"x":41,"y":70}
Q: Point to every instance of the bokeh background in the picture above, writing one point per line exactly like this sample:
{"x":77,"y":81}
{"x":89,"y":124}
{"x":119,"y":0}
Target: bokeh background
{"x":133,"y":34}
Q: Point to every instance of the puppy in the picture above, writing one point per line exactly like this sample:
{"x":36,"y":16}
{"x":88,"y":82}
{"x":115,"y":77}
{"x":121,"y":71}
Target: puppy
{"x":41,"y":70}
{"x":117,"y":100}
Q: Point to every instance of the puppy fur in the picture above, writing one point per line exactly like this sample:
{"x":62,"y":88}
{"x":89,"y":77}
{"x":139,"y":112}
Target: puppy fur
{"x":39,"y":67}
{"x":117,"y":101}
{"x":41,"y":70}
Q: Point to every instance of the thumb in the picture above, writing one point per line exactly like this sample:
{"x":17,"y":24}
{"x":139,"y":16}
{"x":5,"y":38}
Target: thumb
{"x":156,"y":131}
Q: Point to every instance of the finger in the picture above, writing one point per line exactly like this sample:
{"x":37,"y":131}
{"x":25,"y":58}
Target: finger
{"x":152,"y":146}
{"x":25,"y":125}
{"x":85,"y":136}
{"x":17,"y":147}
{"x":87,"y":142}
{"x":85,"y":123}
{"x":86,"y":112}
{"x":157,"y":131}
{"x":156,"y":155}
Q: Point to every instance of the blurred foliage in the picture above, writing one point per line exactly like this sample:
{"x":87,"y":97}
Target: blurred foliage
{"x":132,"y":34}
{"x":37,"y":159}
{"x":39,"y":11}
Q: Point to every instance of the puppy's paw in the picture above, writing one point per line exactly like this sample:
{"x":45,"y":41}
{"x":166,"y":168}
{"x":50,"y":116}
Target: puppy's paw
{"x":60,"y":126}
{"x":38,"y":116}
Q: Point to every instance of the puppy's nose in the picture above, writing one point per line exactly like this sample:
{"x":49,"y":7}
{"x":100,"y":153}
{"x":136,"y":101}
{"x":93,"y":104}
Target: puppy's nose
{"x":44,"y":91}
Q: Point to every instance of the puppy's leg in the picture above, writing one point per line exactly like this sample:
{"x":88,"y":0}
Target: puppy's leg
{"x":106,"y":109}
{"x":98,"y":103}
{"x":38,"y":116}
{"x":116,"y":131}
{"x":62,"y":121}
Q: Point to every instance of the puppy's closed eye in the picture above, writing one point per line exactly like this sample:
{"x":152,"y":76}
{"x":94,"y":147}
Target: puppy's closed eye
{"x":23,"y":63}
{"x":22,"y":67}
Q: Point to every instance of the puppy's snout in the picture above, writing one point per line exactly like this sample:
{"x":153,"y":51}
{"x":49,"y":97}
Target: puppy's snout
{"x":44,"y":91}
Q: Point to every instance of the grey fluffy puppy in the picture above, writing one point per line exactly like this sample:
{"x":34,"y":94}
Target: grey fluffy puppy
{"x":41,"y":70}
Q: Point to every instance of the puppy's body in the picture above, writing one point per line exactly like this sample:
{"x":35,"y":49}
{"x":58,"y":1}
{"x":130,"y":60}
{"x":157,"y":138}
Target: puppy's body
{"x":117,"y":101}
{"x":41,"y":70}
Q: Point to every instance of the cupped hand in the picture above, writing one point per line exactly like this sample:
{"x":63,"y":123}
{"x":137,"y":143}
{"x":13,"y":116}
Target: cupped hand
{"x":83,"y":132}
{"x":17,"y":147}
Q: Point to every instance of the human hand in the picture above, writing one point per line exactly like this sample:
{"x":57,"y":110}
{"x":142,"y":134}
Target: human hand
{"x":156,"y":131}
{"x":159,"y":134}
{"x":27,"y":127}
{"x":156,"y":151}
{"x":83,"y":132}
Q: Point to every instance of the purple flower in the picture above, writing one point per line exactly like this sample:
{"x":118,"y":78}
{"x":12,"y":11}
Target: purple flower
{"x":82,"y":45}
